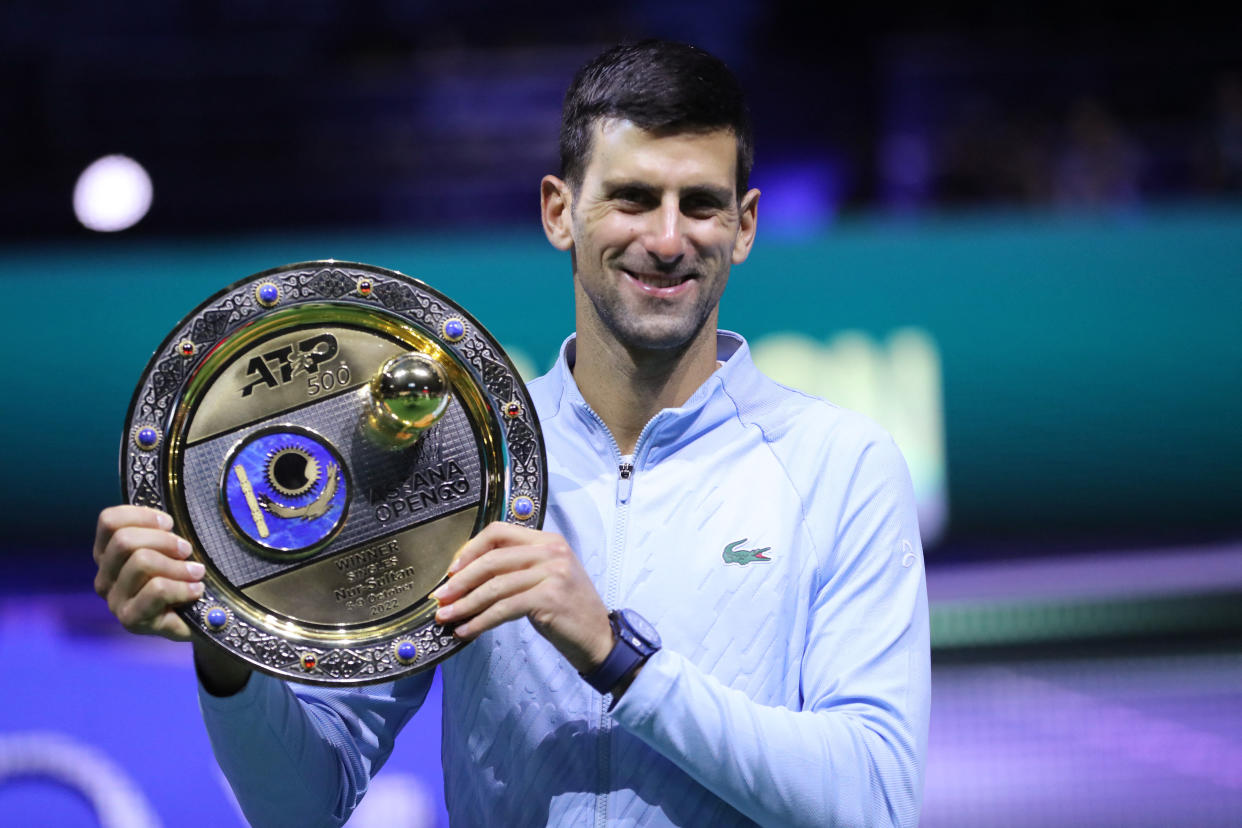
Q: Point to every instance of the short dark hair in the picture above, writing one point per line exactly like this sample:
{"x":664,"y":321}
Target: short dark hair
{"x":660,"y":86}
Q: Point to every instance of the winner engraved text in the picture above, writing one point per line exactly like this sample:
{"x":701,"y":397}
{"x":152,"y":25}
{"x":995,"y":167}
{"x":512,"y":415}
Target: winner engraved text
{"x":374,"y":578}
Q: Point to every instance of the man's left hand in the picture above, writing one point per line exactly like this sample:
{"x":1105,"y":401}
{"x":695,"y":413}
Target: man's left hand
{"x":506,"y":572}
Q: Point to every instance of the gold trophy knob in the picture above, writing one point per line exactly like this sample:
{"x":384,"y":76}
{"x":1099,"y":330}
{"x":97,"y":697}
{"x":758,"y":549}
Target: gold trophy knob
{"x":409,"y":394}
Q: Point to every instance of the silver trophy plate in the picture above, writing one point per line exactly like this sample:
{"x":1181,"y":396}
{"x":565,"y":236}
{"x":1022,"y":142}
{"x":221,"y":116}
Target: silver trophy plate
{"x":327,"y":435}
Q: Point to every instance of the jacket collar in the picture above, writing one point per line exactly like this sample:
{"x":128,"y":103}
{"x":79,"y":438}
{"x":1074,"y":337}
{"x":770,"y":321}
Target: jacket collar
{"x":671,"y":428}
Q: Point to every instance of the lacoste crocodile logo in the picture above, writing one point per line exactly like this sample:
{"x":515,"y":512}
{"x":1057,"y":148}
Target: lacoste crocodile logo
{"x":741,"y":557}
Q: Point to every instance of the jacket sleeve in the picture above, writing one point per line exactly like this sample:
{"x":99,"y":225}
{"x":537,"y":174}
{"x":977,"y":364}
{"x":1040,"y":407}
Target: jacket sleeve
{"x":305,"y":757}
{"x":853,"y":753}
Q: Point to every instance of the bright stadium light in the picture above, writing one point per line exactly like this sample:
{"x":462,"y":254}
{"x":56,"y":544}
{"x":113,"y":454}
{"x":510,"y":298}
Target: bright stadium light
{"x":112,"y":194}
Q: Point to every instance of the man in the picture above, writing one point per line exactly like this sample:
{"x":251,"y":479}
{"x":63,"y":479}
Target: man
{"x":772,"y":662}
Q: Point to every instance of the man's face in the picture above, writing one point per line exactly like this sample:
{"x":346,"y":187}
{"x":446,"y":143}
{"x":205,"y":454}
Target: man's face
{"x":654,"y":227}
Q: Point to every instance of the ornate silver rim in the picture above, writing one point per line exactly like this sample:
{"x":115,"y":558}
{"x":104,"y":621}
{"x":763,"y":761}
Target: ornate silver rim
{"x":144,"y":457}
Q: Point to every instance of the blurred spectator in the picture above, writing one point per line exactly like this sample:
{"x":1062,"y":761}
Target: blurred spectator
{"x":910,"y":109}
{"x":1219,"y":155}
{"x":1099,"y":163}
{"x":995,"y":154}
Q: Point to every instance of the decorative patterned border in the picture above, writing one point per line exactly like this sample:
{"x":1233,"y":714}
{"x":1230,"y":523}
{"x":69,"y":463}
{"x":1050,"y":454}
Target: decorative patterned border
{"x":162,"y":386}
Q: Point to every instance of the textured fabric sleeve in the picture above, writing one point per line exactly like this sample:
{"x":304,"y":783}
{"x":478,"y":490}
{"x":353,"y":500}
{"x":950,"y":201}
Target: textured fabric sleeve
{"x":853,"y":754}
{"x":305,"y":757}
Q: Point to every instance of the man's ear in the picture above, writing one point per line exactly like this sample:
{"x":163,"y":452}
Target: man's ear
{"x":748,"y":215}
{"x":556,"y":204}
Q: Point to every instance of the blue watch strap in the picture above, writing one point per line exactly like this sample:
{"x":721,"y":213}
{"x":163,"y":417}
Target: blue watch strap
{"x":623,"y":658}
{"x":619,"y":662}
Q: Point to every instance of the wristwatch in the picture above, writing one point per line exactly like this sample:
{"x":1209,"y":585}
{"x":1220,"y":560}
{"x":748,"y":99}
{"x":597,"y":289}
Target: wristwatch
{"x":634,"y":641}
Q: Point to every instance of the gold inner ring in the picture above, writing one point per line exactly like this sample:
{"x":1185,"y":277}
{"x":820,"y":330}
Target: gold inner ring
{"x":312,"y":316}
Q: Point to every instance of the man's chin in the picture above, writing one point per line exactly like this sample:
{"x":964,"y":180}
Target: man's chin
{"x":663,"y":338}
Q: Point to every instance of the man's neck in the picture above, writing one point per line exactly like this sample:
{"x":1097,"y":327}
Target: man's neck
{"x":626,"y":388}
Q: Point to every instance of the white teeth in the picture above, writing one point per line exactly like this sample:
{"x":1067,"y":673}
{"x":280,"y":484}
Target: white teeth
{"x":659,"y":281}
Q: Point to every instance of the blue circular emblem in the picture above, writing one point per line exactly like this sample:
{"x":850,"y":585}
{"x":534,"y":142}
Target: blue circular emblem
{"x":285,"y":490}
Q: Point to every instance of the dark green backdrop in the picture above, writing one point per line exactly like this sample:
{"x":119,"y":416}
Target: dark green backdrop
{"x":1092,"y":364}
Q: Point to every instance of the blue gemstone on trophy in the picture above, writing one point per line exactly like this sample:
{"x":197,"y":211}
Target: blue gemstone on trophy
{"x":217,"y":618}
{"x":522,"y":507}
{"x":148,"y":437}
{"x":285,"y":490}
{"x":267,"y":294}
{"x":406,"y":652}
{"x":454,"y":329}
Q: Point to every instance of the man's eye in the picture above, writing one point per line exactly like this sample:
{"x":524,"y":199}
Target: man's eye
{"x":633,"y":198}
{"x":700,"y":208}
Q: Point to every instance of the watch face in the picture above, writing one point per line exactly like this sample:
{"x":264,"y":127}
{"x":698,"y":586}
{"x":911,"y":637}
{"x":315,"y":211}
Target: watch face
{"x":642,"y":629}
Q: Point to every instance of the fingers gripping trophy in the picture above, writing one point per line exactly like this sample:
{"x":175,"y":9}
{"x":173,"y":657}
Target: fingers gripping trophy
{"x":326,"y":435}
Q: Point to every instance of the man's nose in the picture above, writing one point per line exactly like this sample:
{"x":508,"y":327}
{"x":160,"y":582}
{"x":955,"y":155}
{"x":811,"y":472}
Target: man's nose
{"x":666,"y":240}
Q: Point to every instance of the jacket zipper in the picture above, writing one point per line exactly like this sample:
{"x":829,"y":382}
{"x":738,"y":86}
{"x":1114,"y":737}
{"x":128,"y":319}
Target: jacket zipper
{"x":612,"y":578}
{"x":626,"y":481}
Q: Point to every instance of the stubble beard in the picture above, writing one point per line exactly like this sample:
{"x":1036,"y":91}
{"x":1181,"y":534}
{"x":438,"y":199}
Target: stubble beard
{"x":655,"y":328}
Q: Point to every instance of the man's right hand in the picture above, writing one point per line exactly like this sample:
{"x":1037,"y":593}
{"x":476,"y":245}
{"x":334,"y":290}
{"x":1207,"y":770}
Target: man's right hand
{"x":143,"y":571}
{"x":144,"y":575}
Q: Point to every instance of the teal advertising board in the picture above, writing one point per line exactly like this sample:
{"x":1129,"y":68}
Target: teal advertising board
{"x":1043,"y":373}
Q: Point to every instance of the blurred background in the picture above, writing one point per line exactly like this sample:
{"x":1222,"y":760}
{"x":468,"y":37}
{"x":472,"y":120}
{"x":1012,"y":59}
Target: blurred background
{"x":1012,"y":235}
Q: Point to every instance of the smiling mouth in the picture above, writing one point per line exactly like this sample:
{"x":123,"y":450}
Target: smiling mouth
{"x":657,"y":280}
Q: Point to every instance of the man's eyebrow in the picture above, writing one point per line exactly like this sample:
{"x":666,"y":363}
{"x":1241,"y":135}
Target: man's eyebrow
{"x":612,"y":187}
{"x":721,"y":194}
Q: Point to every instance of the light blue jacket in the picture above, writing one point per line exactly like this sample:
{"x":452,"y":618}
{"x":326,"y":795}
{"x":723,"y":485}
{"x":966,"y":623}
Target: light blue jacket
{"x":771,"y":539}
